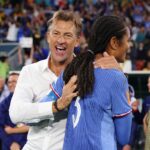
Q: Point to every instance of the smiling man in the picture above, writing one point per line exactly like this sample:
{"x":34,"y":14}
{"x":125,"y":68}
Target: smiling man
{"x":63,"y":35}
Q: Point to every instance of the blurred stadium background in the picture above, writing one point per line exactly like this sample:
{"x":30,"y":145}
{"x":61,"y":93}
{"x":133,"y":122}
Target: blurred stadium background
{"x":23,"y":26}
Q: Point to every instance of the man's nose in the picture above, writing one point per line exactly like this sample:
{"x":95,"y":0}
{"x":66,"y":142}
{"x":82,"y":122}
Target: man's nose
{"x":61,"y":39}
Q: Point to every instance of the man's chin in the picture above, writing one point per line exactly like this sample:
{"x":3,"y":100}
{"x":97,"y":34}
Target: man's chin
{"x":62,"y":61}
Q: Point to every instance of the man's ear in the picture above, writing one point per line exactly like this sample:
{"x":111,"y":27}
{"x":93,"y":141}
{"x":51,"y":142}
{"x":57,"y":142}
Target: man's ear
{"x":114,"y":43}
{"x":78,"y":40}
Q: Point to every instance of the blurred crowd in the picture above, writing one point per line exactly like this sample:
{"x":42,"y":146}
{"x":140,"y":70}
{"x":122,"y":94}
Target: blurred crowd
{"x":28,"y":18}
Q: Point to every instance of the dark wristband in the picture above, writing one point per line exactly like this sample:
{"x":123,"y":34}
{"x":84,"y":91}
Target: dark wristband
{"x":56,"y":107}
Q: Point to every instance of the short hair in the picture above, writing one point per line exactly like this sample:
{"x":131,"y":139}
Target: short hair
{"x":11,"y":73}
{"x":67,"y":16}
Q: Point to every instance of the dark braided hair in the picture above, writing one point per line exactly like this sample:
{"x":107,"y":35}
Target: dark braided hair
{"x":103,"y":29}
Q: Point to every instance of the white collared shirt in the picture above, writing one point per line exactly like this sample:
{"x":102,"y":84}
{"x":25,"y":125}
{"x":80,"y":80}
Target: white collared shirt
{"x":34,"y":83}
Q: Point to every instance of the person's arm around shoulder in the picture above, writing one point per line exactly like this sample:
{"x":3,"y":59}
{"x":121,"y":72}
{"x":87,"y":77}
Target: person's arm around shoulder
{"x":107,"y":62}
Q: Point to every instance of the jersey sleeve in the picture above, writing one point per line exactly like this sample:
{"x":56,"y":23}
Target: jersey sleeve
{"x":120,"y":96}
{"x":123,"y":129}
{"x":56,"y":90}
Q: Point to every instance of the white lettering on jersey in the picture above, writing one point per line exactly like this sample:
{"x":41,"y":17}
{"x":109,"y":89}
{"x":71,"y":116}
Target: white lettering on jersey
{"x":75,"y":120}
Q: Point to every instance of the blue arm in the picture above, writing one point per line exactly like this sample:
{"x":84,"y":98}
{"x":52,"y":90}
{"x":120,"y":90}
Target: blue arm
{"x":123,"y":129}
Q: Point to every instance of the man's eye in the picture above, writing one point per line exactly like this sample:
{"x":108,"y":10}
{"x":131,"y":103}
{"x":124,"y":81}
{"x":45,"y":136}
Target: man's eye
{"x":68,"y":35}
{"x":55,"y":33}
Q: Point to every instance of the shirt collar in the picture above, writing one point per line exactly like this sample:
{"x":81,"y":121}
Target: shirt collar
{"x":45,"y":64}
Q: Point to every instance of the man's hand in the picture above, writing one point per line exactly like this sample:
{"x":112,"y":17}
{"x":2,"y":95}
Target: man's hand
{"x":107,"y":62}
{"x":68,"y":93}
{"x":15,"y":146}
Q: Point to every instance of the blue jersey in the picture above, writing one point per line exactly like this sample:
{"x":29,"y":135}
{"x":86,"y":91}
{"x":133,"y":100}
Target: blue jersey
{"x":8,"y":139}
{"x":90,"y":124}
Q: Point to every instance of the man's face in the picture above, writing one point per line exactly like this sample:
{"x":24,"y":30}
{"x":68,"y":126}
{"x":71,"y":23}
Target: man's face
{"x":12,"y":81}
{"x":62,"y":39}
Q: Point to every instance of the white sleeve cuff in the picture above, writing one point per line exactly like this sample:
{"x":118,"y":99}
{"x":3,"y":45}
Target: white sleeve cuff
{"x":45,"y":109}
